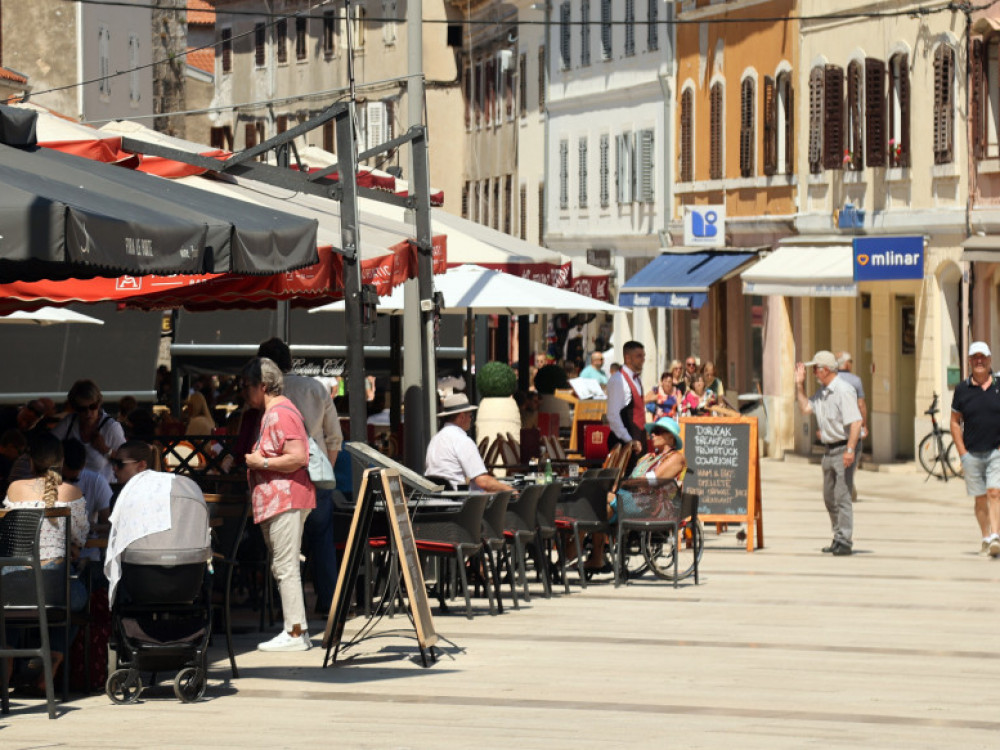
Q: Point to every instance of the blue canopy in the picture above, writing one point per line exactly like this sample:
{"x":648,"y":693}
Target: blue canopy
{"x":680,"y":281}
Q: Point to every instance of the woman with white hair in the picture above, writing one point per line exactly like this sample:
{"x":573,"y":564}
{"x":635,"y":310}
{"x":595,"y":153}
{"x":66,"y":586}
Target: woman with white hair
{"x":282,"y":493}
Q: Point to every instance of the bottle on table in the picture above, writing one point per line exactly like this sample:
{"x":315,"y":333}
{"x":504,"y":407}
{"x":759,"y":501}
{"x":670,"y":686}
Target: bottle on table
{"x":548,"y":471}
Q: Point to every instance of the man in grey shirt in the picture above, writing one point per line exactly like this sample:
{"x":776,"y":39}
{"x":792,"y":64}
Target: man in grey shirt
{"x":844,"y":363}
{"x":835,"y":405}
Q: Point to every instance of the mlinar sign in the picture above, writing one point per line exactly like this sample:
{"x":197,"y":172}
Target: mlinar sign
{"x":888,"y":258}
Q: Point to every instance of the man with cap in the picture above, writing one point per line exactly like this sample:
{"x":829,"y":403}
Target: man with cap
{"x":835,"y":405}
{"x":844,"y":363}
{"x":975,"y":428}
{"x":452,"y":455}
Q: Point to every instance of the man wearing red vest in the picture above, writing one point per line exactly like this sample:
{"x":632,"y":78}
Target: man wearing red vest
{"x":626,"y":411}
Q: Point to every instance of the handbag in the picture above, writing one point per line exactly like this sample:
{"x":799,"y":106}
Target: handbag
{"x":320,"y":468}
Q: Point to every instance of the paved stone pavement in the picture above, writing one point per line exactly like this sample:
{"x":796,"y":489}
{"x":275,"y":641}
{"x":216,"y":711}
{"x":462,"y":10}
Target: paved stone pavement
{"x":894,"y":647}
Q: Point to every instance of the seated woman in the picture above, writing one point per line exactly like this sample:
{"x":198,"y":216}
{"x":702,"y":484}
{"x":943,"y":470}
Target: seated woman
{"x":661,"y":400}
{"x":48,"y":490}
{"x":699,"y":400}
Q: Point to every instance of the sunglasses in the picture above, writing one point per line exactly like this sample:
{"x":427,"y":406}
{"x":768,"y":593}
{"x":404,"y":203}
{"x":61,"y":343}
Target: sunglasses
{"x":84,"y":408}
{"x":661,"y":431}
{"x":118,"y":463}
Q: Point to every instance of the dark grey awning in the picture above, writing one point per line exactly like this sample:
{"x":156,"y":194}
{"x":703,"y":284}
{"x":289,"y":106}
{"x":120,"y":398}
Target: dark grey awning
{"x":64,"y":216}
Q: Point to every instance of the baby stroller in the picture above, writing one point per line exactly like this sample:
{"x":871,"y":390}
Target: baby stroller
{"x":161,"y":618}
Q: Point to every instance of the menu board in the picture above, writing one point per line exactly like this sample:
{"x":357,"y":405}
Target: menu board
{"x":724,"y":471}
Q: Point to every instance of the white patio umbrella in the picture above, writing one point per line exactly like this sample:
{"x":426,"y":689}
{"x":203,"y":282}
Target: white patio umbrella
{"x":48,"y":316}
{"x":488,"y":292}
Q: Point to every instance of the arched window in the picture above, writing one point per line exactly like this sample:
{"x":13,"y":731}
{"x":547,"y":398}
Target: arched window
{"x":944,"y":104}
{"x":716,"y":125}
{"x":748,"y":130}
{"x":687,"y":136}
{"x":899,"y":111}
{"x":854,"y":156}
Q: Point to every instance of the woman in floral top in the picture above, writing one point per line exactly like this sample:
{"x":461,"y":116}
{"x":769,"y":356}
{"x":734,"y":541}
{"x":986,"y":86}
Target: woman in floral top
{"x":282,"y":493}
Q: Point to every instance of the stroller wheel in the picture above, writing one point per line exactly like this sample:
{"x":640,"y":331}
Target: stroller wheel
{"x":189,"y":685}
{"x":123,"y":686}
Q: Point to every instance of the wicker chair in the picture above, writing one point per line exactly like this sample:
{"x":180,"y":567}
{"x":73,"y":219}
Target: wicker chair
{"x":521,"y":528}
{"x":585,"y":511}
{"x":495,"y":545}
{"x":548,"y":534}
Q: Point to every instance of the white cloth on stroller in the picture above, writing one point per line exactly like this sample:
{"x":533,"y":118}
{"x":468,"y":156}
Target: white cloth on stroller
{"x":142,"y":509}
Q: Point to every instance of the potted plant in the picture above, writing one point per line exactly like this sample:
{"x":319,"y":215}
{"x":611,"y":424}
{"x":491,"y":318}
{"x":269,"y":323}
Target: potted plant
{"x":498,"y":412}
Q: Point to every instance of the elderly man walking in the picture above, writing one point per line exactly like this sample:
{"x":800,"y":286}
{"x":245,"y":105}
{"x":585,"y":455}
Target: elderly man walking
{"x":835,"y":405}
{"x":975,"y":428}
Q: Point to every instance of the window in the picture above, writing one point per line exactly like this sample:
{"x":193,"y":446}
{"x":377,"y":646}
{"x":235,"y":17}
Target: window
{"x":625,"y":149}
{"x":944,"y":104}
{"x":465,"y":200}
{"x":854,"y":155}
{"x":469,"y":101}
{"x":389,"y":22}
{"x":496,"y":203}
{"x":541,"y":213}
{"x":281,"y":124}
{"x":134,"y":87}
{"x":585,"y":32}
{"x":523,"y":206}
{"x":606,"y":29}
{"x":376,"y":124}
{"x":541,"y":78}
{"x":358,"y":20}
{"x":480,"y":94}
{"x":508,"y":83}
{"x":816,"y":77}
{"x":716,"y":124}
{"x":778,"y":131}
{"x":104,"y":60}
{"x":490,"y":86}
{"x":687,"y":136}
{"x":259,"y":44}
{"x":522,"y":85}
{"x":329,"y":34}
{"x":564,"y":29}
{"x":833,"y":117}
{"x":985,"y":98}
{"x":301,"y":39}
{"x":476,"y":200}
{"x":582,"y":173}
{"x":250,"y":135}
{"x":644,"y":173}
{"x":221,"y":137}
{"x":226,"y":36}
{"x":605,"y":158}
{"x":748,"y":132}
{"x":652,"y":29}
{"x":629,"y":28}
{"x":508,"y":197}
{"x":899,"y":110}
{"x":281,"y":39}
{"x":564,"y":174}
{"x":875,"y":119}
{"x":328,"y":137}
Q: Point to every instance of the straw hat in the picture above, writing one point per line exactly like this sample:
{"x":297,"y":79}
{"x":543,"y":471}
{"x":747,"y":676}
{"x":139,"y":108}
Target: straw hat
{"x":455,"y":403}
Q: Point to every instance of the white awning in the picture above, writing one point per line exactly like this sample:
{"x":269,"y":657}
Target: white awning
{"x":803,"y":271}
{"x":985,"y":248}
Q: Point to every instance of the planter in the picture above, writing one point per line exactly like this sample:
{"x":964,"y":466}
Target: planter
{"x":498,"y":416}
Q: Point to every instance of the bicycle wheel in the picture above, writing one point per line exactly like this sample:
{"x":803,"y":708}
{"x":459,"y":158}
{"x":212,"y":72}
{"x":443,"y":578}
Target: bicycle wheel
{"x":930,"y":458}
{"x":634,"y":562}
{"x":658,"y":549}
{"x":952,"y":461}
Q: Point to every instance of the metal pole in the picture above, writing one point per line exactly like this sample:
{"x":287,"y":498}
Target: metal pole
{"x":351,"y":242}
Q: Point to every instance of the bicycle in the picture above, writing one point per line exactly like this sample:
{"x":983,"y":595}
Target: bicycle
{"x":937,"y":452}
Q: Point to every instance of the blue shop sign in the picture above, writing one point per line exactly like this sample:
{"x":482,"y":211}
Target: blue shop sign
{"x":888,"y":258}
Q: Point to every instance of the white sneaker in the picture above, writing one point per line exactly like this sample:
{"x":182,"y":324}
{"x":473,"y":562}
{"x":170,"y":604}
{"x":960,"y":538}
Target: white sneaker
{"x":286,"y":642}
{"x":985,"y":549}
{"x":995,"y":546}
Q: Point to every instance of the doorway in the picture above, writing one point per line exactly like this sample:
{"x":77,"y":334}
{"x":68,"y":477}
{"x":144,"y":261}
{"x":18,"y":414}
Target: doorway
{"x":906,"y":384}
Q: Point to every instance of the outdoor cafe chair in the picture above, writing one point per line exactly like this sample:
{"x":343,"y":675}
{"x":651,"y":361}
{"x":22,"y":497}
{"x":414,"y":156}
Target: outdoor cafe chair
{"x":24,"y":599}
{"x":521,"y":527}
{"x":548,"y":534}
{"x":585,"y":511}
{"x":495,"y":545}
{"x":454,"y":535}
{"x":228,"y":516}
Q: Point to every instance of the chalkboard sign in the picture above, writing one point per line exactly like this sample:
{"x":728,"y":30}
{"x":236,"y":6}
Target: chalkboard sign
{"x":724,"y":471}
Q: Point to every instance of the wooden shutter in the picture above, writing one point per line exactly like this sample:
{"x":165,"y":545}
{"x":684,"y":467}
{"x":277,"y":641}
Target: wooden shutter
{"x":523,"y":204}
{"x":687,"y":143}
{"x":944,"y":72}
{"x":282,"y":34}
{"x":978,"y":82}
{"x":816,"y":79}
{"x":564,"y":174}
{"x":746,"y":127}
{"x":789,"y":126}
{"x":833,"y":116}
{"x":582,"y":172}
{"x":260,"y":41}
{"x":644,"y":167}
{"x":904,"y":110}
{"x":770,"y":127}
{"x":715,"y":137}
{"x":875,"y":142}
{"x":605,"y":159}
{"x":854,"y":131}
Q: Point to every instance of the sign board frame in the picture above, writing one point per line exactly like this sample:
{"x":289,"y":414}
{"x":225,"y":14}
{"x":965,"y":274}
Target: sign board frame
{"x":705,"y":226}
{"x":888,"y":258}
{"x":380,"y":484}
{"x":754,"y":515}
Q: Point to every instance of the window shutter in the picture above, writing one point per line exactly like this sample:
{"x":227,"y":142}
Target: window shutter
{"x":687,"y":144}
{"x":375,"y":124}
{"x":816,"y":79}
{"x":715,"y":136}
{"x":624,"y":172}
{"x":582,"y":169}
{"x":564,"y":30}
{"x":585,"y":32}
{"x":606,"y":29}
{"x":633,"y":170}
{"x":854,"y":130}
{"x":605,"y":158}
{"x":790,"y":128}
{"x":944,"y":72}
{"x":976,"y":114}
{"x":563,"y":174}
{"x":652,"y":29}
{"x":522,"y":85}
{"x":259,"y":32}
{"x":629,"y":28}
{"x":645,"y":166}
{"x":468,"y":98}
{"x":541,"y":78}
{"x":833,"y":116}
{"x":523,"y":205}
{"x":875,"y":141}
{"x":770,"y":127}
{"x":904,"y":110}
{"x":746,"y":127}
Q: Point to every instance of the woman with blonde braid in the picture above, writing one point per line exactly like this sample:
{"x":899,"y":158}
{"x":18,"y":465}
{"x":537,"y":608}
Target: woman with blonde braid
{"x":46,"y":489}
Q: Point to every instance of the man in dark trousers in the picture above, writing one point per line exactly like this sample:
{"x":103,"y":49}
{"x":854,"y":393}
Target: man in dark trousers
{"x":975,"y":428}
{"x":626,"y":410}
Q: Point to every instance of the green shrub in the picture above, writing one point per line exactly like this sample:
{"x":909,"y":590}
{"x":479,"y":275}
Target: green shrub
{"x":496,"y":380}
{"x":549,"y":378}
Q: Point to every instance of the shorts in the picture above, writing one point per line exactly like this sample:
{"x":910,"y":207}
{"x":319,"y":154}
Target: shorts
{"x":982,"y":471}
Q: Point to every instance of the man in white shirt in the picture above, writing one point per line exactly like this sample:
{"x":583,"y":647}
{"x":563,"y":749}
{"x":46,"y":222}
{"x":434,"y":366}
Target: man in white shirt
{"x":452,"y":455}
{"x":626,"y":410}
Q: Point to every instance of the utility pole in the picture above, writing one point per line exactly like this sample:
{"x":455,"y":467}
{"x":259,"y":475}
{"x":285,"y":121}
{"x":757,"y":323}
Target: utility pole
{"x":169,"y":44}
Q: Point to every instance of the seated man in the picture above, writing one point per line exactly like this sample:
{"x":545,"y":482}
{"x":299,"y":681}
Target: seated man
{"x":97,"y":493}
{"x":143,"y":507}
{"x":453,"y":455}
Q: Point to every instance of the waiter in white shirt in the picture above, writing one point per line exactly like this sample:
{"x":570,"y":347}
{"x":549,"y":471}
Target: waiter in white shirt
{"x":626,"y":411}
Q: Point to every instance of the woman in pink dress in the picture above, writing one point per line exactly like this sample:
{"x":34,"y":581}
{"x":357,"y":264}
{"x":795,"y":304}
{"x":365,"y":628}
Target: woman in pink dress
{"x":281,"y":493}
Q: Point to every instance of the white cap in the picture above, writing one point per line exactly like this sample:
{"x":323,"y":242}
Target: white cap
{"x":979,"y":347}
